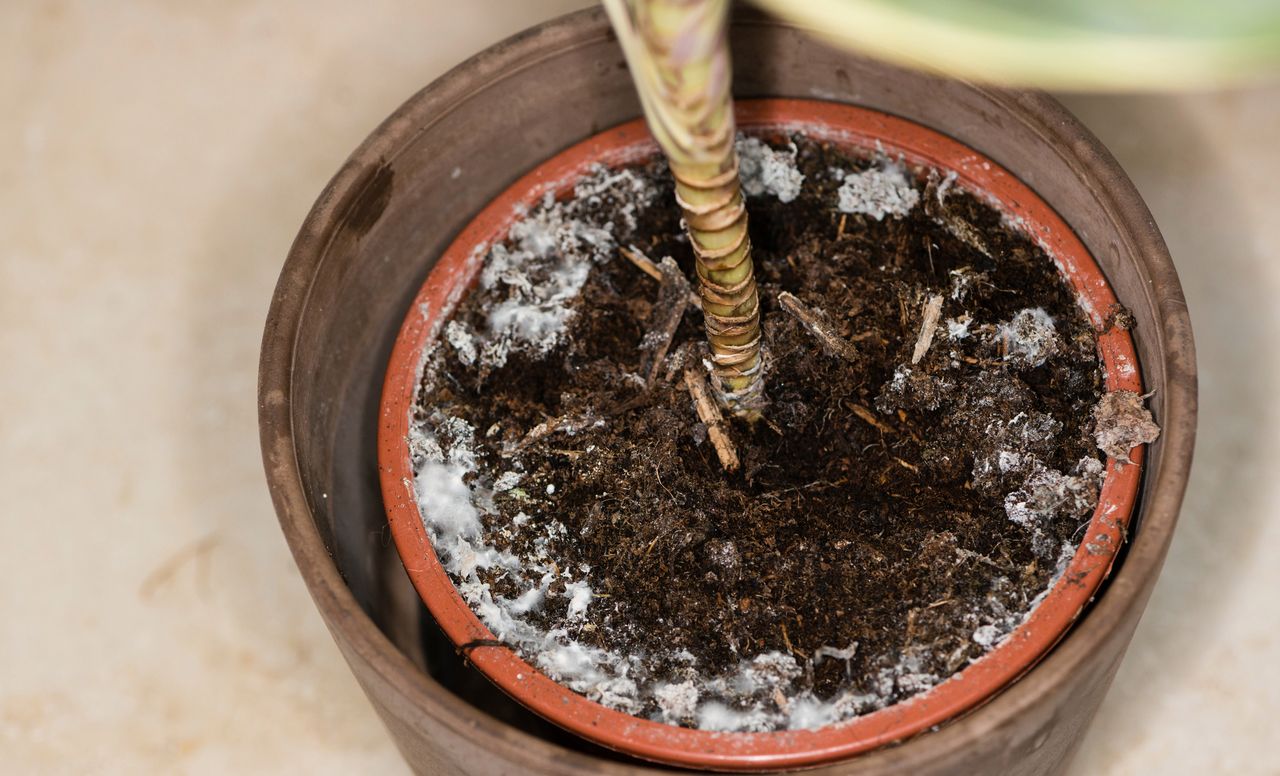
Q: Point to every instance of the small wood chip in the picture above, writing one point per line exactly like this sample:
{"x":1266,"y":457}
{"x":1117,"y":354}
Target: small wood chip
{"x":932,"y":312}
{"x":696,"y":383}
{"x":818,"y":323}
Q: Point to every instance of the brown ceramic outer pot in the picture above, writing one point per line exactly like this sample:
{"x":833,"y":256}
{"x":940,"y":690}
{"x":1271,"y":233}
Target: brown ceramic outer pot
{"x":387,"y":216}
{"x":864,"y":132}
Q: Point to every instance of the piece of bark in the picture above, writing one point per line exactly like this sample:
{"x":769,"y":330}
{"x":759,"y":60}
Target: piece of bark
{"x":673,"y":298}
{"x":819,"y":324}
{"x":696,"y":383}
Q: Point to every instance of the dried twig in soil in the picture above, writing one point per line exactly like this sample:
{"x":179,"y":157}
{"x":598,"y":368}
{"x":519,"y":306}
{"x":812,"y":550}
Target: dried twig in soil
{"x":642,"y":262}
{"x":818,"y":323}
{"x":709,"y":414}
{"x":932,"y":312}
{"x":565,"y":423}
{"x":907,"y":465}
{"x":673,"y":298}
{"x":787,"y":641}
{"x":651,"y":268}
{"x":868,"y":416}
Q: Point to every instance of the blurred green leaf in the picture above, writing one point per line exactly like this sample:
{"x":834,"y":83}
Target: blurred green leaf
{"x":1064,"y":44}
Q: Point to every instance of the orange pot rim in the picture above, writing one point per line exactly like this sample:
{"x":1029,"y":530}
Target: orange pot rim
{"x":839,"y":124}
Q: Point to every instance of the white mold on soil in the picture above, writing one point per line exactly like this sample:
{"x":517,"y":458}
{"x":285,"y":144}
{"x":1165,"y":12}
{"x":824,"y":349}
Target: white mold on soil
{"x":1047,"y":494}
{"x":455,"y":500}
{"x":958,"y":328}
{"x":678,"y":701}
{"x":764,"y":170}
{"x":1014,"y":447}
{"x":553,"y":249}
{"x":882,"y":190}
{"x":1029,"y":338}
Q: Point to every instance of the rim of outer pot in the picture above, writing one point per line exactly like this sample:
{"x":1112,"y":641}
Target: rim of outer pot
{"x":409,"y":698}
{"x":862,"y":131}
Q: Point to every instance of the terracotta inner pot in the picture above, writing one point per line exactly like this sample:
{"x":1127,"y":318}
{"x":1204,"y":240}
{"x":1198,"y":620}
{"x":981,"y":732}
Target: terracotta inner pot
{"x":843,"y":125}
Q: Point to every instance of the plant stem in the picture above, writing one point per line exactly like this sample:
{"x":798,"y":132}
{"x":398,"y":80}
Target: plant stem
{"x":679,"y":58}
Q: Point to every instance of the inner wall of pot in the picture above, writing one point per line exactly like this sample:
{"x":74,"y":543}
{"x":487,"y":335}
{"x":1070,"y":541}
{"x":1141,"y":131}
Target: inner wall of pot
{"x":408,"y":207}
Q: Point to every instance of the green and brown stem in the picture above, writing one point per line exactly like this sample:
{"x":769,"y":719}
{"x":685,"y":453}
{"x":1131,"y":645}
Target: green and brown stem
{"x":679,"y":58}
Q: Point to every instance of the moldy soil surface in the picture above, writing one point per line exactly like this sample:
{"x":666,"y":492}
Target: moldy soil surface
{"x":891,"y":521}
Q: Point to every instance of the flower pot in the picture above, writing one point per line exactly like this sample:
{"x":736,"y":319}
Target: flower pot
{"x":862,"y":131}
{"x":384,"y":223}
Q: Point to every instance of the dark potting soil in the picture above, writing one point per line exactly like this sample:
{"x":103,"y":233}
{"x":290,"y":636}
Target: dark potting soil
{"x":890,"y":523}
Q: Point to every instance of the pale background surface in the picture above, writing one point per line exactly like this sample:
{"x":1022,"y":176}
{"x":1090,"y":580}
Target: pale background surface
{"x":156,"y":160}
